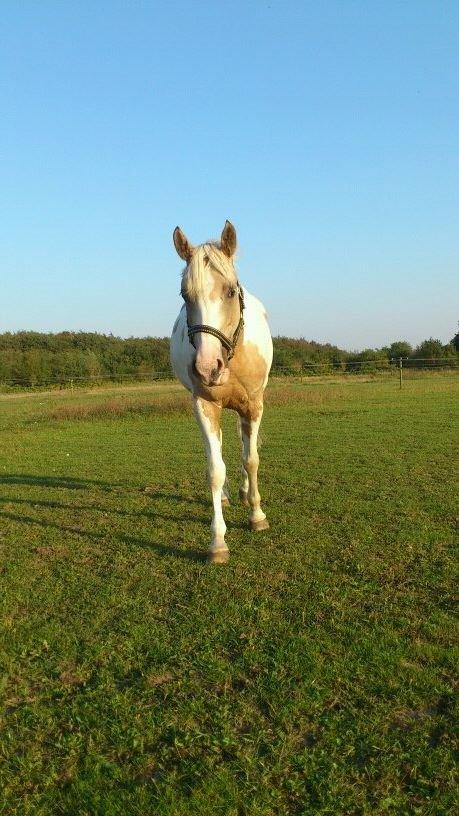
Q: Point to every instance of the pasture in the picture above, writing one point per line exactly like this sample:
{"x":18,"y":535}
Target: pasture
{"x":313,"y":674}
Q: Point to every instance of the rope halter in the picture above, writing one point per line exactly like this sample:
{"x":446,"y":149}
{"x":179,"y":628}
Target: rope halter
{"x":229,"y":345}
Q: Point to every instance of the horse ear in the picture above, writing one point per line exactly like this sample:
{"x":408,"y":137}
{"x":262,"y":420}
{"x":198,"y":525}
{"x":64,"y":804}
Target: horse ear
{"x":228,"y":239}
{"x":182,"y":245}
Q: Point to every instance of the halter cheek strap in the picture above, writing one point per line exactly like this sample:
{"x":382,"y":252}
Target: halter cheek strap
{"x":228,"y":344}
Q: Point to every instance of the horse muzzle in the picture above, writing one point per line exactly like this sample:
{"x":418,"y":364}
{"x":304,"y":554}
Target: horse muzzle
{"x":211,"y":373}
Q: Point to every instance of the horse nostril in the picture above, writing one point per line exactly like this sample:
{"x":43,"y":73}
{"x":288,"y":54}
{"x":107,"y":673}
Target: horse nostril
{"x":215,"y":373}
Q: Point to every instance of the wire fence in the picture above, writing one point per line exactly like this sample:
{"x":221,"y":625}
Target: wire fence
{"x":379,"y":367}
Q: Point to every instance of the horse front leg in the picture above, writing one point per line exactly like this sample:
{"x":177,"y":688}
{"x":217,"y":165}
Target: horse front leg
{"x":250,"y":458}
{"x":208,"y":417}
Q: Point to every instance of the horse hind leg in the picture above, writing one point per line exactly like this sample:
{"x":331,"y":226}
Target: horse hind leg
{"x":244,"y":486}
{"x":244,"y":489}
{"x":226,"y":500}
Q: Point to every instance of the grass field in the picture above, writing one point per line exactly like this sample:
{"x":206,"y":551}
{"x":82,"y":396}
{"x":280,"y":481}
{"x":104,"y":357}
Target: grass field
{"x":314,"y":674}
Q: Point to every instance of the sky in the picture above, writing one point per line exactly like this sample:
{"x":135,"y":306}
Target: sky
{"x":328,"y":133}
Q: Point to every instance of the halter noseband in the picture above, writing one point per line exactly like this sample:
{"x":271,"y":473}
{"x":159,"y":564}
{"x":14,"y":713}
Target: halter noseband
{"x":228,"y":344}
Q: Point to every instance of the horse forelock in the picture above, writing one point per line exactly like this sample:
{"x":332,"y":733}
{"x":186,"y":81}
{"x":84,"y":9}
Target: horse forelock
{"x":195,"y":274}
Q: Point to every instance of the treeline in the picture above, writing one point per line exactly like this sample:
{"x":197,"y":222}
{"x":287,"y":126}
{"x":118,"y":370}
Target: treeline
{"x":34,"y":359}
{"x":293,"y":356}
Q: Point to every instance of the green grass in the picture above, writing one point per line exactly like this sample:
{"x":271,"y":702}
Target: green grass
{"x":314,"y":674}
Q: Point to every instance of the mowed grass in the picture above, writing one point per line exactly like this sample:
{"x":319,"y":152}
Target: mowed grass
{"x":314,"y":674}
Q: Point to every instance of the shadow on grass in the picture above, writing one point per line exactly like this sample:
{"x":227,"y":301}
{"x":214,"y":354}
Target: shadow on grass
{"x":161,"y":549}
{"x":77,"y":483}
{"x":176,"y":497}
{"x":149,"y":514}
{"x":69,"y":482}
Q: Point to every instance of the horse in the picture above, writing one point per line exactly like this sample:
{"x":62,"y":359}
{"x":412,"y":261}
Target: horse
{"x":221,"y":351}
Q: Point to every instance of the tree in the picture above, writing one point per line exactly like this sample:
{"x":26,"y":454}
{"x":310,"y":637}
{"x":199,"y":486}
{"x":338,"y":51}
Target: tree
{"x":401,"y":348}
{"x":430,"y":348}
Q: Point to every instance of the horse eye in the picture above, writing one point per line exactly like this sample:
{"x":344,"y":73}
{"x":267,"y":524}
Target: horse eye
{"x":231,"y":292}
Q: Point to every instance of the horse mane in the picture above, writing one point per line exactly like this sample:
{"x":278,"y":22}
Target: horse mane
{"x":194,"y":275}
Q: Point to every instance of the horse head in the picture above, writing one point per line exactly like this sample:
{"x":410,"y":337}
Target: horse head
{"x":214,"y":303}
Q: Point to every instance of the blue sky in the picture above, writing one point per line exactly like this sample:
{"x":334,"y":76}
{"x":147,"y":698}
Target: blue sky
{"x":327,"y":132}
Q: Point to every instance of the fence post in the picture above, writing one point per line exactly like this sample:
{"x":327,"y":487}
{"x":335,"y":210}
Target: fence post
{"x":400,"y":368}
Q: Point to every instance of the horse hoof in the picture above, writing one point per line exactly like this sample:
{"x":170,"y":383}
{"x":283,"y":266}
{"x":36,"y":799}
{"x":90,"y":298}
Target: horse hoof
{"x":218,"y":556}
{"x":225,"y":501}
{"x":243,"y":497}
{"x":259,"y":525}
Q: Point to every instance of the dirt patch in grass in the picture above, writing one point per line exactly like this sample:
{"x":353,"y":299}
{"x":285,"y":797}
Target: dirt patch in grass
{"x":154,"y":680}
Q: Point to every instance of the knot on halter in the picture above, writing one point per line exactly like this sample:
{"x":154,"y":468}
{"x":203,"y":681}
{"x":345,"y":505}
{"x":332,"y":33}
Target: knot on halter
{"x":229,"y":345}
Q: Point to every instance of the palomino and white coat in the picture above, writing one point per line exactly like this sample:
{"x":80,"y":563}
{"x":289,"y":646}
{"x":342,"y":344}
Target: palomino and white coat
{"x":225,"y":369}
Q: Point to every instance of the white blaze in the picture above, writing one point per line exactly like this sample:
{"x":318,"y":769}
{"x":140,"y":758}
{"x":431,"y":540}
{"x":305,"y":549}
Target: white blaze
{"x":209,"y":357}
